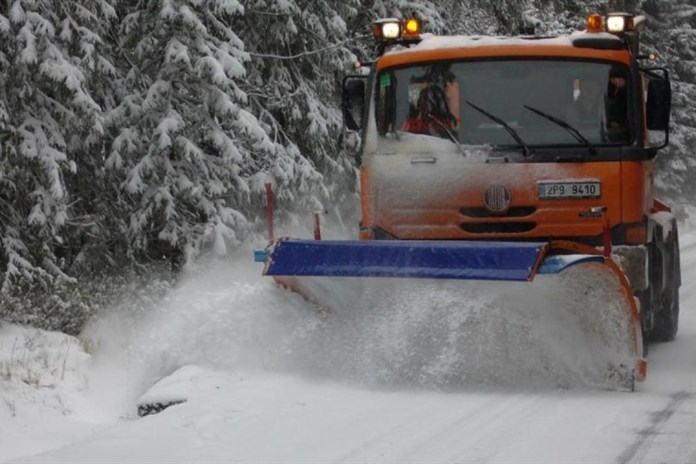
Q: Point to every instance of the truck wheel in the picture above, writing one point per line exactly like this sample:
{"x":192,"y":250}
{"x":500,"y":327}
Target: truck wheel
{"x":645,"y":297}
{"x":667,"y":319}
{"x":667,"y":322}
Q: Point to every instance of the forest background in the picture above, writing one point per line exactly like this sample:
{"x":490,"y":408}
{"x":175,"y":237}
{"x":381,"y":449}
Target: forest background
{"x":136,"y":135}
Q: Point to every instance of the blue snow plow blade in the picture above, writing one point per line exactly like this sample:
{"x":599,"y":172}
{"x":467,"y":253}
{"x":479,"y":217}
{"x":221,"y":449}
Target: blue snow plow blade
{"x":394,"y":258}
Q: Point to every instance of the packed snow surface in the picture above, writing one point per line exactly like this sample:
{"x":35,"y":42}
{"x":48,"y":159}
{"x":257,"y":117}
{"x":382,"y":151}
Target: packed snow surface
{"x":268,"y":377}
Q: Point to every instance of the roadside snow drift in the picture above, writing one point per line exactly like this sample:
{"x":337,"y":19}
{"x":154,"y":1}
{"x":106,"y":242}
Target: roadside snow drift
{"x":43,"y":379}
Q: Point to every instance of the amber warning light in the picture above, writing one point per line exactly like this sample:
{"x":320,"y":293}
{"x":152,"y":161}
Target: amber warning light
{"x":412,"y":27}
{"x":594,"y":23}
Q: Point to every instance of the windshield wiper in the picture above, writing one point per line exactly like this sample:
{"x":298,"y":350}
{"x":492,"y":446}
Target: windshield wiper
{"x":571,"y":130}
{"x":508,"y":127}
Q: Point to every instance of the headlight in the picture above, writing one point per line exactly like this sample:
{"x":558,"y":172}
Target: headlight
{"x":616,"y":24}
{"x":387,"y":29}
{"x":391,"y":30}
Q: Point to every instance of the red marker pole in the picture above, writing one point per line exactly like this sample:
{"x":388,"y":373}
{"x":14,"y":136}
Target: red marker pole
{"x":606,"y":235}
{"x":269,"y":210}
{"x":317,"y":227}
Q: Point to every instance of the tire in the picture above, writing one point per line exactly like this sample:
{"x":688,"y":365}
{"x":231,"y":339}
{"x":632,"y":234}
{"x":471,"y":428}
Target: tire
{"x":667,"y":322}
{"x":646,"y":322}
{"x":667,"y":319}
{"x":649,"y":300}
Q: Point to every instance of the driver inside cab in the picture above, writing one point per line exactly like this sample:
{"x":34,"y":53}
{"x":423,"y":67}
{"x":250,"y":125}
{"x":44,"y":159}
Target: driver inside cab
{"x":431,"y":115}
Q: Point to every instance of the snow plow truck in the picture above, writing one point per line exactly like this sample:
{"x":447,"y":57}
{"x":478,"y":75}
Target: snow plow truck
{"x":512,"y":159}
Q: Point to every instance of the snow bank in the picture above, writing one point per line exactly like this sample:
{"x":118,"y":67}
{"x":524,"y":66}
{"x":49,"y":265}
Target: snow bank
{"x":39,"y":370}
{"x":42,"y":384}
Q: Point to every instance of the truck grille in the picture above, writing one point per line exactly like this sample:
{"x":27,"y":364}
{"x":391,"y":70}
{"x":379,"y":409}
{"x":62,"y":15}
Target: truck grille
{"x":515,"y":211}
{"x":498,"y":227}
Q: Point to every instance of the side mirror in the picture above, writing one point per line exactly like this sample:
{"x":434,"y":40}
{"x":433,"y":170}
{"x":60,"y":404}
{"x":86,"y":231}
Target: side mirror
{"x":354,"y":94}
{"x":658,"y":105}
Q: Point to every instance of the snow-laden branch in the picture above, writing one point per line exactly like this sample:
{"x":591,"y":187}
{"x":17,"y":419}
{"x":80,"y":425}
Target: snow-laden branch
{"x":303,"y":54}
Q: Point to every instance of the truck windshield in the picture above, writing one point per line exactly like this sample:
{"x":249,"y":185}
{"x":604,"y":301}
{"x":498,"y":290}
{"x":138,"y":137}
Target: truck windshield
{"x":538,"y":100}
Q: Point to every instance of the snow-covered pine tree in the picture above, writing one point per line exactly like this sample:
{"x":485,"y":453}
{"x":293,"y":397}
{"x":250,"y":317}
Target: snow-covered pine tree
{"x":185,"y":149}
{"x":87,"y":29}
{"x":38,"y":82}
{"x":45,"y":114}
{"x":299,"y":53}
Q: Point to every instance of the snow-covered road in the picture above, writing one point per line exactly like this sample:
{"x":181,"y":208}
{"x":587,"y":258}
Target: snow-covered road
{"x":249,"y":399}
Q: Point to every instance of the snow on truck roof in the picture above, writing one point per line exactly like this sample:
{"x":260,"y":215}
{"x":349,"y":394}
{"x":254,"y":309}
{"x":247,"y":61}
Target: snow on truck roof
{"x":600,"y":45}
{"x":432,"y":42}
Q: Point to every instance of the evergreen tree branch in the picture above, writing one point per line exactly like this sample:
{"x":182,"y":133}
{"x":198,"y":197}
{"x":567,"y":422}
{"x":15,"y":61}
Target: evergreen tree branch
{"x":307,"y":53}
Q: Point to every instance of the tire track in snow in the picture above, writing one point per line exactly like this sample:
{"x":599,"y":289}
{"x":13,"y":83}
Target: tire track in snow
{"x":643,"y":443}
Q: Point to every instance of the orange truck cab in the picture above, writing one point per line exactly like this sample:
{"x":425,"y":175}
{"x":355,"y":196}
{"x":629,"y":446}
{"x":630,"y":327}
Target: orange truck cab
{"x":520,"y":139}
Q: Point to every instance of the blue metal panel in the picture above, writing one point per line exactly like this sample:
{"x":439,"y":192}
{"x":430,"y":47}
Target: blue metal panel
{"x":395,"y":258}
{"x":260,"y":256}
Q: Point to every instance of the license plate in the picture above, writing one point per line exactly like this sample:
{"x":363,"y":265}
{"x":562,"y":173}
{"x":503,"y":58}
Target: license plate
{"x":552,"y":190}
